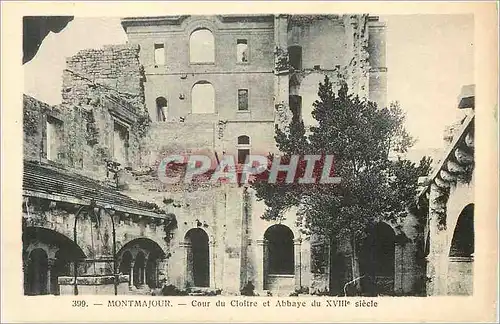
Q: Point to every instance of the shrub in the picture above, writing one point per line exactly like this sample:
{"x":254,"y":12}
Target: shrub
{"x":171,"y":290}
{"x":248,"y":289}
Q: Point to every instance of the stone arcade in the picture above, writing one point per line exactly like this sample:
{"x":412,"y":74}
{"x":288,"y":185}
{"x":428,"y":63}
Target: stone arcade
{"x":209,"y":85}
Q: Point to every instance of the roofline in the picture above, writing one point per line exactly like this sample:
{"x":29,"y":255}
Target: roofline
{"x":178,"y":19}
{"x":460,"y":136}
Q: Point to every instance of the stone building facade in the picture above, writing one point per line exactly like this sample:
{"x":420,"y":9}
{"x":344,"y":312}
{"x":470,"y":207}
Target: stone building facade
{"x":211,"y":85}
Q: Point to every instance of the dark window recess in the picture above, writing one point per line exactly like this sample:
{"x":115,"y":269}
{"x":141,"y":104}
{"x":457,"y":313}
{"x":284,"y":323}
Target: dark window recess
{"x":242,"y":155}
{"x":161,"y":109}
{"x":296,"y":107}
{"x":243,"y":139}
{"x":295,"y":57}
{"x":242,"y":99}
{"x":242,"y":50}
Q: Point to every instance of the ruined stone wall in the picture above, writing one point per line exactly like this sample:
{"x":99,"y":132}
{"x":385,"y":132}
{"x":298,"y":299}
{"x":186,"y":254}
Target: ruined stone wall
{"x":34,"y":124}
{"x":101,"y":86}
{"x":116,"y":67}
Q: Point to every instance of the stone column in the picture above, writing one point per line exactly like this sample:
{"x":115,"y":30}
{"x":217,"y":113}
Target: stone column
{"x":298,"y":262}
{"x":260,"y":273}
{"x":131,"y":274}
{"x":144,"y":270}
{"x":50,"y":265}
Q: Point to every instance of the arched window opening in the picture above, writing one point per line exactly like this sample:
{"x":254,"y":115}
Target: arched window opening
{"x":198,"y":264}
{"x":243,"y":139}
{"x":203,"y":98}
{"x":243,"y":148}
{"x":462,"y":244}
{"x":280,"y":250}
{"x":377,"y":260}
{"x":202,"y":46}
{"x":161,"y":109}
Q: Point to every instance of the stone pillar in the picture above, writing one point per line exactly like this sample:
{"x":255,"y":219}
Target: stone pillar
{"x":260,"y":273}
{"x":281,"y":80}
{"x":377,"y":60}
{"x":298,"y":262}
{"x":437,"y":258}
{"x":211,"y":264}
{"x":25,"y":275}
{"x":50,"y":265}
{"x":185,"y":249}
{"x":399,"y":267}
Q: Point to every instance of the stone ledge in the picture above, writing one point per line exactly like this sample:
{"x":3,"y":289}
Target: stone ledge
{"x":92,"y":280}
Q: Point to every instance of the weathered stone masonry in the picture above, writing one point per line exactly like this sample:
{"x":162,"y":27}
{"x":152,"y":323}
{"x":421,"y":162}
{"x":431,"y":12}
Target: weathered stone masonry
{"x":134,"y":104}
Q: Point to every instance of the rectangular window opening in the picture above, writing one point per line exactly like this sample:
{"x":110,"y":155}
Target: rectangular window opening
{"x":242,"y":99}
{"x":242,"y":155}
{"x":159,"y":54}
{"x":54,"y":138}
{"x":242,"y":51}
{"x":120,"y":143}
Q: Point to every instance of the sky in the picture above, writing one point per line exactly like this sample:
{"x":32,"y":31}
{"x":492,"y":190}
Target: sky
{"x":429,"y":59}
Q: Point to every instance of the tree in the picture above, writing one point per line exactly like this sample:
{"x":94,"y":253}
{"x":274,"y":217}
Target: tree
{"x":374,"y":187}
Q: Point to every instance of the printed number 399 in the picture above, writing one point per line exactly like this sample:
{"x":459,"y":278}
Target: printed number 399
{"x":79,"y":303}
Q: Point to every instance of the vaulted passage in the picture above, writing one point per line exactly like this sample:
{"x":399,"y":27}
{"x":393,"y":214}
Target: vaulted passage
{"x":198,"y":265}
{"x":461,"y":256}
{"x":376,"y":261}
{"x":47,"y":255}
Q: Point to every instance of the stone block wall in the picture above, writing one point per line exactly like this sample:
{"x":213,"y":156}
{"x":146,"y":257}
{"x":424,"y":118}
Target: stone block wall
{"x":116,"y":67}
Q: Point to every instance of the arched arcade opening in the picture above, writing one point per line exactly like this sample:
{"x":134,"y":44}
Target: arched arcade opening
{"x":141,"y":259}
{"x":461,"y":255}
{"x":47,"y":255}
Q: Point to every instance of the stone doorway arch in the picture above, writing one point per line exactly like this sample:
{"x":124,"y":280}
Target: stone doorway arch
{"x":377,"y":261}
{"x":198,"y":263}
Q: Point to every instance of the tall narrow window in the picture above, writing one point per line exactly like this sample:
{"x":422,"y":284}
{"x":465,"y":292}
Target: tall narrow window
{"x":202,"y":46}
{"x":296,"y":107}
{"x":161,"y":109}
{"x":54,"y":137}
{"x":203,"y":98}
{"x":120,"y":143}
{"x":159,"y":54}
{"x":295,"y":55}
{"x":242,"y":51}
{"x":242,"y":99}
{"x":243,"y":148}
